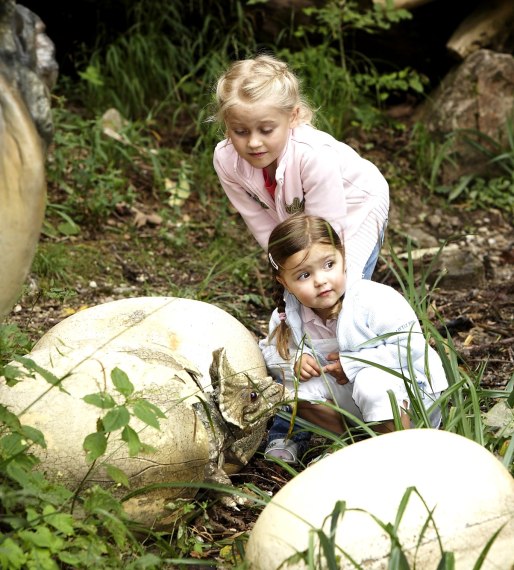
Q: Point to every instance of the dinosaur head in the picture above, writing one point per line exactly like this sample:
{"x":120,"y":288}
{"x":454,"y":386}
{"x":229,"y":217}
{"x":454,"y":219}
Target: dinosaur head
{"x":245,"y":399}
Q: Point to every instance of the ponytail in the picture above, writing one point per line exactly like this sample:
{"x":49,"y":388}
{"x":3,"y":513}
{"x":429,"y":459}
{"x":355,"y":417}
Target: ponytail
{"x":282,"y":332}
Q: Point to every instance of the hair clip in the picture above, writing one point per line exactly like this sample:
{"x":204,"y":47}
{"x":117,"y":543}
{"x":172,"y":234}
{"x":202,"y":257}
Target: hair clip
{"x":282,"y":316}
{"x":272,"y":261}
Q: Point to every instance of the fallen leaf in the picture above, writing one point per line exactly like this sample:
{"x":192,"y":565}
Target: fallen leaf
{"x":468,"y":340}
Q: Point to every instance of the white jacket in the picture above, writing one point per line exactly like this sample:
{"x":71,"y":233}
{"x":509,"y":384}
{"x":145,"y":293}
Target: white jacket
{"x":318,"y":175}
{"x":375,"y":326}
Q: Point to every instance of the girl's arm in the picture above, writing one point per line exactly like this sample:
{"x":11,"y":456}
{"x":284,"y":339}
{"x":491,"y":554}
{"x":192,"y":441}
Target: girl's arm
{"x":390,"y":317}
{"x":259,"y":218}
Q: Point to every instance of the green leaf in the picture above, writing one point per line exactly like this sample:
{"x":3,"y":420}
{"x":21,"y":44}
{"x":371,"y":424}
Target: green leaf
{"x":47,"y":375}
{"x":92,"y":75}
{"x":416,"y":84}
{"x":41,"y":559}
{"x":100,"y":399}
{"x":398,"y":560}
{"x":19,"y":474}
{"x":11,"y":555}
{"x":9,"y":419}
{"x":117,"y":475}
{"x":101,"y":501}
{"x":132,"y":439}
{"x":447,"y":561}
{"x":32,"y":515}
{"x":149,"y":561}
{"x":42,"y":537}
{"x":116,"y":418}
{"x":12,"y":444}
{"x":68,"y":229}
{"x":71,"y":559}
{"x":33,"y":434}
{"x":95,"y":445}
{"x":121,"y":382}
{"x":147,"y":413}
{"x":13,"y":375}
{"x":63,"y":522}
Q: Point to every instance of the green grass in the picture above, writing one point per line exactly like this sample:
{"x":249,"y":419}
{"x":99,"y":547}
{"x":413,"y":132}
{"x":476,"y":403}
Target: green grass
{"x":491,"y":186}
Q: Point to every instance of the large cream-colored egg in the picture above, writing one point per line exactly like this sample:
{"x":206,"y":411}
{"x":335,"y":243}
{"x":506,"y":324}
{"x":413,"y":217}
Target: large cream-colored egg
{"x":22,"y":192}
{"x":193,"y":329}
{"x":468,"y":491}
{"x":165,"y":346}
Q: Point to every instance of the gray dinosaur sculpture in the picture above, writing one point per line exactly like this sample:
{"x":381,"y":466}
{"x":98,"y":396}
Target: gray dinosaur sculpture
{"x":194,"y":361}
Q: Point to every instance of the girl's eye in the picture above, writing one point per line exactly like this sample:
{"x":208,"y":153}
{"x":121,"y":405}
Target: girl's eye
{"x":266,"y":131}
{"x":329,"y":264}
{"x":303,"y":276}
{"x":239,"y":132}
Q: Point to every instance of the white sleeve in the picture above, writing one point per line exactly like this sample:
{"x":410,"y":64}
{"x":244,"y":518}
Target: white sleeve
{"x":396,"y":338}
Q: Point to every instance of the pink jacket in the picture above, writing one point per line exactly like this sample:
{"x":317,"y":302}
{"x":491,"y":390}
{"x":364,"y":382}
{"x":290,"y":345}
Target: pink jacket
{"x":318,"y":175}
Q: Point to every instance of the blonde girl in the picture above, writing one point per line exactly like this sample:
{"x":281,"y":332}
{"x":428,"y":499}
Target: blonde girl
{"x":274,"y":163}
{"x":339,"y":342}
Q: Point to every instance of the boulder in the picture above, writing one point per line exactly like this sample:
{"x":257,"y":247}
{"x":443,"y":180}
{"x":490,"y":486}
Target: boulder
{"x":476,"y":99}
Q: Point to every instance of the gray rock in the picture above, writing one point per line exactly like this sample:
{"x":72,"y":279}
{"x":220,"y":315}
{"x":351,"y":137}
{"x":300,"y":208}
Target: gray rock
{"x":477,"y":96}
{"x":459,"y":269}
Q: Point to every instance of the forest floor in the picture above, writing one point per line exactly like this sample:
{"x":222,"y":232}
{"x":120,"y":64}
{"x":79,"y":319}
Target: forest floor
{"x":476,"y":305}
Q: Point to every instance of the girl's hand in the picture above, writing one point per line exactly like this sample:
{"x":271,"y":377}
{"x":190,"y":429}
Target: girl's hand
{"x":335,"y":369}
{"x":306,"y":367}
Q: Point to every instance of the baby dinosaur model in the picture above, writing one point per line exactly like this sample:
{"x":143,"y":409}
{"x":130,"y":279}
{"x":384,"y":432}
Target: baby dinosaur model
{"x":199,"y":365}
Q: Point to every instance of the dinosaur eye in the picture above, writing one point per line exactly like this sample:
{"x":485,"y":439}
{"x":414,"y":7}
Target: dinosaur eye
{"x":253,"y":396}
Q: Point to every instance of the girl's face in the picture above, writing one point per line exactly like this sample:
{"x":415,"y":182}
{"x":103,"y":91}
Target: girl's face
{"x":259,"y":133}
{"x":316,"y":277}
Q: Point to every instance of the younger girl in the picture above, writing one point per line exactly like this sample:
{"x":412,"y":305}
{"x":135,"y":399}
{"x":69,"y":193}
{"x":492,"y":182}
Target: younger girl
{"x":274,"y":163}
{"x":343,"y":341}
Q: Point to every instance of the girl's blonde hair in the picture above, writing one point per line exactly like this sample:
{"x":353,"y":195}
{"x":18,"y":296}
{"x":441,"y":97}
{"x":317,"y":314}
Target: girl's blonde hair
{"x":297,"y":233}
{"x":261,"y":79}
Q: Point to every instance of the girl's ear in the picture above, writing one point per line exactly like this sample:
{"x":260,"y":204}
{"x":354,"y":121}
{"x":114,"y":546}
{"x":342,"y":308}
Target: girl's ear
{"x":293,"y":119}
{"x":281,"y":281}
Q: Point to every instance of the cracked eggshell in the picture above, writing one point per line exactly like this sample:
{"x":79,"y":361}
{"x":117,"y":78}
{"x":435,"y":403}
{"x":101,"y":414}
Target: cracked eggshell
{"x":193,"y":329}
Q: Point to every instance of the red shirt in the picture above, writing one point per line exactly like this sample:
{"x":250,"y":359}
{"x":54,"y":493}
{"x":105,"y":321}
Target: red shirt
{"x":269,"y":184}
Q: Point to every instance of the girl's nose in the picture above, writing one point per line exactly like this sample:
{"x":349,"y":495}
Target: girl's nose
{"x":320,"y":279}
{"x":254,"y":141}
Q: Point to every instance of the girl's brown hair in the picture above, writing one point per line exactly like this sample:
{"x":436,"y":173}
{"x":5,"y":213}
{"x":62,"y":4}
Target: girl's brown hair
{"x":261,"y":79}
{"x":296,"y":233}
